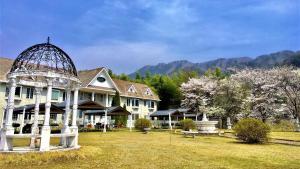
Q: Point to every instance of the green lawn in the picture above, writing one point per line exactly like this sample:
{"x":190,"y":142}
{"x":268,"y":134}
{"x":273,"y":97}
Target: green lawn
{"x":286,"y":135}
{"x":129,"y":150}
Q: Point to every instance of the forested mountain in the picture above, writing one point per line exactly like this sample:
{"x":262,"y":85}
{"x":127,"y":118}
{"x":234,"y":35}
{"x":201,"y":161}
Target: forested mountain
{"x":285,"y":57}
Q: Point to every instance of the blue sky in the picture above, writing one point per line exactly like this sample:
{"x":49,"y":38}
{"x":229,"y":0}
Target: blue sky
{"x":126,"y":35}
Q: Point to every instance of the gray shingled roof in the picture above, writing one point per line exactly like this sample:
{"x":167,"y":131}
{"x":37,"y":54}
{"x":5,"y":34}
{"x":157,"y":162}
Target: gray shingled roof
{"x":170,"y":111}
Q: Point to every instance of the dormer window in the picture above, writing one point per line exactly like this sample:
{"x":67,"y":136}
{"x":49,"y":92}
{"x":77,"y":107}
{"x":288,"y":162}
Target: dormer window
{"x":132,"y":89}
{"x":148,"y":92}
{"x":101,"y":79}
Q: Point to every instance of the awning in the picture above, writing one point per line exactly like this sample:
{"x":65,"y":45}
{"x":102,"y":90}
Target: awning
{"x":84,"y":105}
{"x":111,"y":111}
{"x":30,"y":108}
{"x":172,"y":112}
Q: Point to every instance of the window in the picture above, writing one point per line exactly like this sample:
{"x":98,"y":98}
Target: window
{"x":64,"y":95}
{"x":6,"y":91}
{"x":135,"y":102}
{"x":128,"y":102}
{"x":145,"y":103}
{"x":101,"y":79}
{"x":148,"y":92}
{"x":29,"y":92}
{"x":17,"y":92}
{"x":53,"y":116}
{"x":135,"y":116}
{"x":132,"y":89}
{"x":15,"y":116}
{"x":55,"y":94}
{"x":152,"y":104}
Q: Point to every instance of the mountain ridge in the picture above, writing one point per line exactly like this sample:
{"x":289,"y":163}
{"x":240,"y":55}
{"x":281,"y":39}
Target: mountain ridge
{"x":284,"y":57}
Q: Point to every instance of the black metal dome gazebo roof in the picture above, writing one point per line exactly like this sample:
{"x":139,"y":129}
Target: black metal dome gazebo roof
{"x":44,"y":57}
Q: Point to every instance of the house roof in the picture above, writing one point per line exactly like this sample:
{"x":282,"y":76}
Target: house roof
{"x":140,"y":90}
{"x":83,"y":105}
{"x":86,"y":76}
{"x":30,"y":108}
{"x":5,"y":65}
{"x":111,"y":111}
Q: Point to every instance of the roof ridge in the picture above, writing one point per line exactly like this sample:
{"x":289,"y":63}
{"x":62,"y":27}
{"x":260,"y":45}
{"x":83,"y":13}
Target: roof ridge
{"x":86,"y":70}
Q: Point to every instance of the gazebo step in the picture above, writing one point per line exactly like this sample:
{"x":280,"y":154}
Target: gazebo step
{"x":23,"y":136}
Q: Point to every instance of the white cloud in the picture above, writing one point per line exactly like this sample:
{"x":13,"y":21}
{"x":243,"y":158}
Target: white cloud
{"x":120,"y":56}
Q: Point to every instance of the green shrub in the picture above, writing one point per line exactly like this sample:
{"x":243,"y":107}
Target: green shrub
{"x":251,"y":130}
{"x":142,"y":123}
{"x":283,"y":125}
{"x":120,"y":121}
{"x":187,"y":124}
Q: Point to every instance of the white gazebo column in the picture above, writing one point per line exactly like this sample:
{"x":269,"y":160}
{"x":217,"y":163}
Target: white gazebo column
{"x":22,"y":120}
{"x":170,"y":121}
{"x":6,"y":143}
{"x":74,"y":140}
{"x":105,"y":117}
{"x":46,"y":130}
{"x":35,"y":127}
{"x":66,"y":129}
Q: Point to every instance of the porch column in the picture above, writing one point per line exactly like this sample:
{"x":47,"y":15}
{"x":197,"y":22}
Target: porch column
{"x":130,"y":120}
{"x":93,"y":96}
{"x":105,"y":118}
{"x":6,"y":143}
{"x":66,"y":129}
{"x":35,"y":128}
{"x":73,"y":142}
{"x":92,"y":119}
{"x":170,"y":124}
{"x":46,"y":130}
{"x":184,"y":116}
{"x":22,"y":121}
{"x":197,"y":116}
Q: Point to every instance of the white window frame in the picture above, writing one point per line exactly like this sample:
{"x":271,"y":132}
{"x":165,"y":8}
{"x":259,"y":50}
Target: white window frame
{"x":30,"y":94}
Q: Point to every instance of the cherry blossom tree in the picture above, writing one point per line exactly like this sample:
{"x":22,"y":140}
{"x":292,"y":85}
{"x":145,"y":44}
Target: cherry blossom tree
{"x":264,"y":96}
{"x":229,"y":96}
{"x":198,"y":93}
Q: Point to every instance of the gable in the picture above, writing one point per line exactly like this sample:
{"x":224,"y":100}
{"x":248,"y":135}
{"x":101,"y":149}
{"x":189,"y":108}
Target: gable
{"x":141,"y":90}
{"x":132,"y":89}
{"x":102,"y":79}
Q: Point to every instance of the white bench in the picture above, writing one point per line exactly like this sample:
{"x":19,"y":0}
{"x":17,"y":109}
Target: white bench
{"x":191,"y":133}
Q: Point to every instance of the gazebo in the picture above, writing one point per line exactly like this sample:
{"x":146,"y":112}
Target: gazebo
{"x":44,"y":66}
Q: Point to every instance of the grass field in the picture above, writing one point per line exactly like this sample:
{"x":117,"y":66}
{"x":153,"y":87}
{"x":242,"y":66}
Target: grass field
{"x":131,"y":150}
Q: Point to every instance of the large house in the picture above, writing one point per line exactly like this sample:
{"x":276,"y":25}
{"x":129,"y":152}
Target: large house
{"x":97,"y":86}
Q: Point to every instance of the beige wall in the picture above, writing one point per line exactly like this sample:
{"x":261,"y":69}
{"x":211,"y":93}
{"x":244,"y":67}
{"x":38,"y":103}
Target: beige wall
{"x":22,"y":100}
{"x":142,"y":110}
